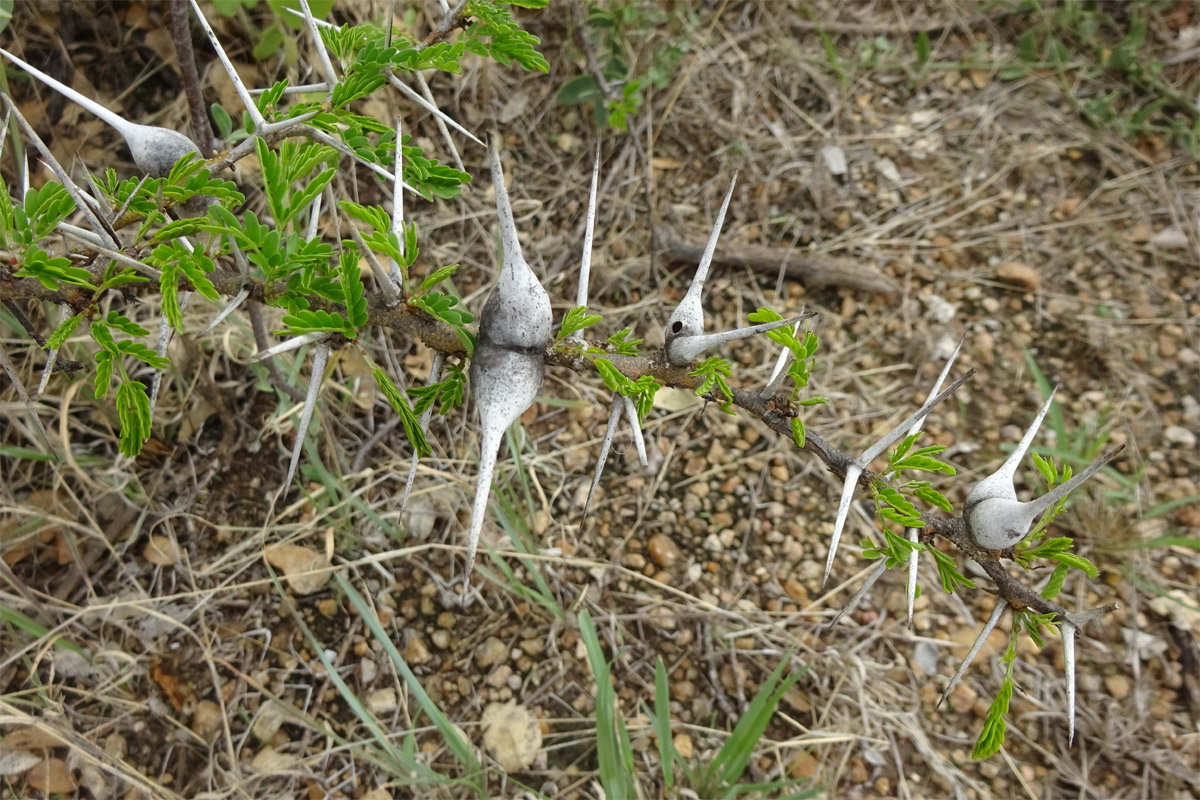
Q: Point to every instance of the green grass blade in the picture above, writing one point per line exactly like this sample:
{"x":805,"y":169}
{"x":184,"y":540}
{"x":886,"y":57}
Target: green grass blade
{"x":35,"y":629}
{"x":462,"y":750}
{"x":1055,"y":416}
{"x":662,"y":724}
{"x":616,"y":781}
{"x":731,"y":760}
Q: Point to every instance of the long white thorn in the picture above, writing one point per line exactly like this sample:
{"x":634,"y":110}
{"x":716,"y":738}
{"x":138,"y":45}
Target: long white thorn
{"x":314,"y":219}
{"x":710,"y":247}
{"x":431,"y":108}
{"x":320,"y":356}
{"x":585,"y":263}
{"x":289,"y":344}
{"x":435,"y":375}
{"x":109,"y":117}
{"x":443,"y":129}
{"x":489,"y":445}
{"x":1051,"y":497}
{"x":686,"y":349}
{"x":1067,"y":631}
{"x":636,"y":425}
{"x":326,"y":65}
{"x":230,"y":308}
{"x":988,"y":627}
{"x":915,"y":558}
{"x":398,"y":204}
{"x":614,"y":417}
{"x":243,"y":92}
{"x":875,"y":575}
{"x":852,"y":473}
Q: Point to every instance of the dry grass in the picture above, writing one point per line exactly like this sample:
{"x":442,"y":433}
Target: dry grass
{"x":991,"y":172}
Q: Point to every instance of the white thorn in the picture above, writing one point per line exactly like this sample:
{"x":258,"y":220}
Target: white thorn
{"x":64,"y":311}
{"x":937,"y":386}
{"x":1000,"y":482}
{"x":636,"y":424}
{"x":852,"y":473}
{"x":988,"y":627}
{"x":228,"y":309}
{"x":911,"y":586}
{"x":290,"y":344}
{"x":398,"y":204}
{"x":243,"y":93}
{"x":683,"y":350}
{"x":8,"y":367}
{"x":314,"y":219}
{"x":60,"y":173}
{"x":876,"y":573}
{"x":781,"y":362}
{"x":431,"y":108}
{"x":585,"y":264}
{"x":1067,"y":631}
{"x":688,"y":317}
{"x":326,"y":65}
{"x":614,"y":417}
{"x":320,"y":356}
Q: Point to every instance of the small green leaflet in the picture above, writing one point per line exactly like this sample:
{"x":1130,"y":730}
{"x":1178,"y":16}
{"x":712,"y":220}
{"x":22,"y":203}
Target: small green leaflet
{"x":304,"y":321}
{"x":350,"y":281}
{"x":576,"y":319}
{"x":399,"y":404}
{"x":437,"y":276}
{"x":621,"y":343}
{"x":991,"y":738}
{"x":64,"y":331}
{"x":713,"y":372}
{"x":798,"y":432}
{"x":948,"y":572}
{"x":133,"y":408}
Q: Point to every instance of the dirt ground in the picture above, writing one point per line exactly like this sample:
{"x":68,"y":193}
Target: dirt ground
{"x":1001,"y":184}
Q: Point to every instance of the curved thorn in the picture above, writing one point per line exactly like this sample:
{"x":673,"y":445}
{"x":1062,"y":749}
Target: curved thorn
{"x":988,"y":627}
{"x":914,"y":558}
{"x":1067,"y":631}
{"x":585,"y":264}
{"x":229,"y":308}
{"x":435,"y":375}
{"x":320,"y":356}
{"x":613,"y":418}
{"x":875,"y":575}
{"x":852,"y":473}
{"x":638,"y":441}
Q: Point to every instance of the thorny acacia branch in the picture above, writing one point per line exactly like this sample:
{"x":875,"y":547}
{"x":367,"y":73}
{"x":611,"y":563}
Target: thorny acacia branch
{"x":772,"y":409}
